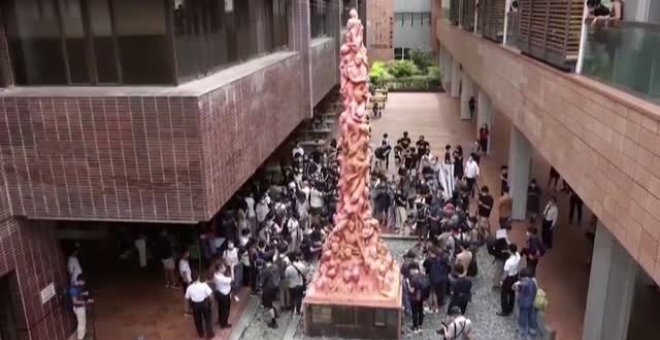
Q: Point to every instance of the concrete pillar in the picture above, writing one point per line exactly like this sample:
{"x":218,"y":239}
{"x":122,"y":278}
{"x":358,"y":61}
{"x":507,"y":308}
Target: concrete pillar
{"x":611,"y":289}
{"x":455,"y":78}
{"x":466,"y":93}
{"x":520,"y":152}
{"x":484,"y":115}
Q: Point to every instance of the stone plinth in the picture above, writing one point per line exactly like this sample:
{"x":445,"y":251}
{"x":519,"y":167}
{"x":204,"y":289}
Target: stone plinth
{"x":352,"y":316}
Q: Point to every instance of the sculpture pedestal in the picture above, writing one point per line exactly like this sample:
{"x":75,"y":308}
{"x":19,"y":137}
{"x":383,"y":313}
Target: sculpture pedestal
{"x":352,"y":316}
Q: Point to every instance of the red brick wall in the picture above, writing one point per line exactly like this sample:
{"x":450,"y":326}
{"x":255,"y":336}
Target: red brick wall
{"x":323,"y":58}
{"x":242,"y":124}
{"x":125,"y":158}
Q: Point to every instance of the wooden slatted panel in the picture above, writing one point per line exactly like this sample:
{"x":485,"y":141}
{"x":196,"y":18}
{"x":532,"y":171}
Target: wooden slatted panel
{"x":491,"y":16}
{"x":550,"y":30}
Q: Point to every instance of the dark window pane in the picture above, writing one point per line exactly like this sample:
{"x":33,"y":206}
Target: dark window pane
{"x":76,"y":45}
{"x":188,"y":38}
{"x":34,"y":41}
{"x":143,"y":47}
{"x":318,"y":14}
{"x":104,"y":43}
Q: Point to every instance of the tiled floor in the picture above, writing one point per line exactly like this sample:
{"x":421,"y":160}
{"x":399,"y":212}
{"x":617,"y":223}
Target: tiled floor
{"x":563,"y":272}
{"x":126,"y":309}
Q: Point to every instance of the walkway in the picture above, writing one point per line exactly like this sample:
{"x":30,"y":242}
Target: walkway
{"x":563,"y":273}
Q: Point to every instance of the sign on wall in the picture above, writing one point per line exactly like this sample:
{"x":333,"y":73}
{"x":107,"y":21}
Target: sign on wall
{"x":47,"y":293}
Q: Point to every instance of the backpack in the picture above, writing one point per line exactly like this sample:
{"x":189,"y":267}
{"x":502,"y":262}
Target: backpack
{"x":541,"y":300}
{"x":496,"y":249}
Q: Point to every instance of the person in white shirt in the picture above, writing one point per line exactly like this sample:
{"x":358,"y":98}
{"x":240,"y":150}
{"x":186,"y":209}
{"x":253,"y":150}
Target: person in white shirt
{"x":73,"y":266}
{"x":222,"y":281}
{"x":509,"y":278}
{"x":296,"y":276}
{"x":471,"y":173}
{"x":141,"y":246}
{"x":298,"y":151}
{"x":295,"y":233}
{"x":198,"y":294}
{"x":550,"y":214}
{"x":230,"y":255}
{"x":186,"y":276}
{"x":459,"y":329}
{"x":262,"y":211}
{"x":251,"y":213}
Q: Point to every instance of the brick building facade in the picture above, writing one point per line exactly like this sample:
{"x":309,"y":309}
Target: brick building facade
{"x":165,"y":153}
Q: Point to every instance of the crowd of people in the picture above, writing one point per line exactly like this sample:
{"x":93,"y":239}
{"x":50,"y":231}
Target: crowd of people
{"x":270,"y":235}
{"x":440,"y":201}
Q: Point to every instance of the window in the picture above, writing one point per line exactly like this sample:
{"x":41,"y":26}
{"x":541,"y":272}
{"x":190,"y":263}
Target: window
{"x":141,"y":42}
{"x":401,"y":53}
{"x":210,"y":34}
{"x":319,"y":11}
{"x":413,"y":19}
{"x":56,"y":42}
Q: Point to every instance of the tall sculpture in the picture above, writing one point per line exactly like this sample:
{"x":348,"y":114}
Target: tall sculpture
{"x":356,"y":268}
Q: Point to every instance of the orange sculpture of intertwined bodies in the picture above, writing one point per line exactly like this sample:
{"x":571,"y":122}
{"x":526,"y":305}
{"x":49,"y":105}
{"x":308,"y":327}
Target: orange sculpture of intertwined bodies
{"x":356,"y":267}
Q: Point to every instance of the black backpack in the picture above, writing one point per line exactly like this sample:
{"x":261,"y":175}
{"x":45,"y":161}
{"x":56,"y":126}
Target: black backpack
{"x":496,"y":248}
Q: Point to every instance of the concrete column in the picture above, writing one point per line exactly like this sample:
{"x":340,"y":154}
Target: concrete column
{"x":455,"y":78}
{"x":520,"y":152}
{"x":299,"y":38}
{"x":446,"y":70}
{"x":484,"y":114}
{"x":611,"y":289}
{"x":466,"y":93}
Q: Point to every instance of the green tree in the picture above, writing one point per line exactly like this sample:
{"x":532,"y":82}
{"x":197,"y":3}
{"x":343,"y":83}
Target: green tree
{"x":422,"y":58}
{"x":403,"y":68}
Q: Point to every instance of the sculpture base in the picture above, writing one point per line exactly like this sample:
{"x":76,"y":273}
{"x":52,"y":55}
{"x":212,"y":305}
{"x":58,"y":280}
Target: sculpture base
{"x":352,"y":317}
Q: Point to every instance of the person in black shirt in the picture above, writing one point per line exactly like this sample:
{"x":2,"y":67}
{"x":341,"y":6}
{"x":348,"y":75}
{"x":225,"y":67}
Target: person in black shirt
{"x":410,"y":159}
{"x":533,"y":250}
{"x":422,"y":146}
{"x":404,"y":141}
{"x":575,"y":204}
{"x":422,"y":219}
{"x":447,"y":159}
{"x":553,"y":178}
{"x":416,"y":286}
{"x":461,"y":290}
{"x":458,"y":162}
{"x":504,"y":179}
{"x":485,"y":203}
{"x":271,"y":285}
{"x":533,"y":199}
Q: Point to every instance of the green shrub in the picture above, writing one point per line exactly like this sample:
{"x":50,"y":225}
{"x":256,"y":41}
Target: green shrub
{"x":422,"y":58}
{"x":403,"y":68}
{"x":378,"y":73}
{"x":433,"y":72}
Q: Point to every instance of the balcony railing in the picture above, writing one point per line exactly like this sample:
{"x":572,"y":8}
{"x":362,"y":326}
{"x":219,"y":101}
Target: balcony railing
{"x":626,"y":56}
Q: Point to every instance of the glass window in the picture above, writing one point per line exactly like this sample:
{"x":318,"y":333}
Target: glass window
{"x":75,"y":41}
{"x":319,"y":10}
{"x":143,"y":43}
{"x":33,"y":34}
{"x":105,"y":44}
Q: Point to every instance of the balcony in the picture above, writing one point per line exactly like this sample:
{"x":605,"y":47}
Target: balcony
{"x":626,"y":56}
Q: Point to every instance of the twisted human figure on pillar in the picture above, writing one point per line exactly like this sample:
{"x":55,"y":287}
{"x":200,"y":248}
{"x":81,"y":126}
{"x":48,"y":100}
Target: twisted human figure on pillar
{"x":354,"y":259}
